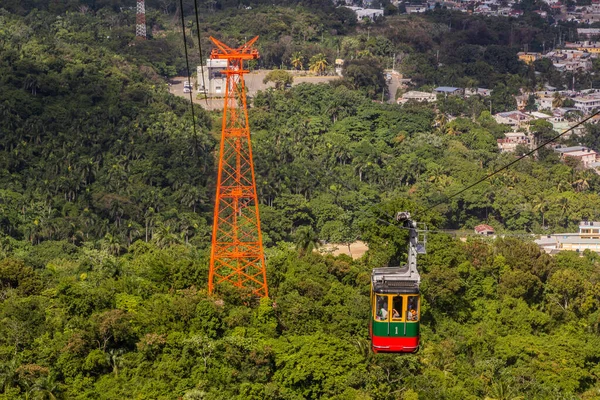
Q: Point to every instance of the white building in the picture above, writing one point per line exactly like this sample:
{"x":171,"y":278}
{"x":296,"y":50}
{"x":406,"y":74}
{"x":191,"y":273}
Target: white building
{"x":514,"y":119}
{"x":214,"y":78}
{"x":587,"y":104}
{"x":588,"y":32}
{"x":417,"y":96}
{"x":416,"y":8}
{"x":588,"y":238}
{"x":366,"y":13}
{"x":512,"y":140}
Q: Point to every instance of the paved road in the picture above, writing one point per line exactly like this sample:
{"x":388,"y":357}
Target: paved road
{"x":393,"y":85}
{"x":254,"y":83}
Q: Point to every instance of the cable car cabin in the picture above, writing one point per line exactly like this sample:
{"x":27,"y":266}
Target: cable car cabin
{"x":395,"y":311}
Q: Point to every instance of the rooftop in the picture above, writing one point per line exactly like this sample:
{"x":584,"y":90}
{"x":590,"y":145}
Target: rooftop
{"x":448,"y":89}
{"x":569,"y":149}
{"x":483,"y":227}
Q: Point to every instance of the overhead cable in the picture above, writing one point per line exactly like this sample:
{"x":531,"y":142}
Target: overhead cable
{"x":200,"y":51}
{"x":187,"y":63}
{"x":511,"y":163}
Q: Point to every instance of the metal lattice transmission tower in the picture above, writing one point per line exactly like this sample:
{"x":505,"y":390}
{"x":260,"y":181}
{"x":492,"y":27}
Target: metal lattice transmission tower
{"x":237,"y":254}
{"x":140,"y":20}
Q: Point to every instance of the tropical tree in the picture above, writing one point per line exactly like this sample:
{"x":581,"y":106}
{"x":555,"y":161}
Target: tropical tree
{"x":280,"y":77}
{"x":306,"y":240}
{"x":557,"y":100}
{"x":297,"y":60}
{"x":318,"y":64}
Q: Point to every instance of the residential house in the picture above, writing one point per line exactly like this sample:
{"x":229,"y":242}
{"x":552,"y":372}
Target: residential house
{"x":448,"y":90}
{"x":484,"y":229}
{"x":482,"y":9}
{"x":512,"y":140}
{"x":529,"y":58}
{"x":544,"y":102}
{"x":539,"y":115}
{"x":478,"y":91}
{"x":366,"y":13}
{"x":588,"y":103}
{"x":585,"y":155}
{"x":514,"y":119}
{"x":585,"y":46}
{"x":416,"y":8}
{"x":588,"y":33}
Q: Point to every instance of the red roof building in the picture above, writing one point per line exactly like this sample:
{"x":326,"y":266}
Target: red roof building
{"x":484,"y":229}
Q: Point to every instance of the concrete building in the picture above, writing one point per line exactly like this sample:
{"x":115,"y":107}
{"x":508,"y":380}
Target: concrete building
{"x":512,"y":140}
{"x":544,"y":102}
{"x":528,"y":58}
{"x":367,"y":13}
{"x":588,"y":238}
{"x":585,"y":46}
{"x":417,"y":96}
{"x":587,"y":104}
{"x":478,"y":91}
{"x":588,"y":33}
{"x":214,"y":78}
{"x":584,"y":155}
{"x":514,"y":119}
{"x":448,"y":90}
{"x":416,"y":8}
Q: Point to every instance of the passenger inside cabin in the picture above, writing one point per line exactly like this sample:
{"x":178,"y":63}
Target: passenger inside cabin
{"x":382,"y":308}
{"x":412,"y":308}
{"x":397,"y":305}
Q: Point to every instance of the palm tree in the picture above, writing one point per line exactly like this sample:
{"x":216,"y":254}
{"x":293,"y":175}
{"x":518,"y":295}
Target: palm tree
{"x":541,"y":204}
{"x":112,"y":244}
{"x":296,"y":60}
{"x":165,"y":237}
{"x":558,"y":100}
{"x":440,"y":121}
{"x":583,"y":182}
{"x":306,"y":240}
{"x":503,"y":391}
{"x":318,"y":63}
{"x":46,"y":387}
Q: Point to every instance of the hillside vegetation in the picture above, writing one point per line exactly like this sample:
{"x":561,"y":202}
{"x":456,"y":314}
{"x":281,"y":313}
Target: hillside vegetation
{"x":106,"y":198}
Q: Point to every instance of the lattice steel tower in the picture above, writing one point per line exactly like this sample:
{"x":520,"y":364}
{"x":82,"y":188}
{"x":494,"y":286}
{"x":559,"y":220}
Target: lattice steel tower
{"x":140,"y":20}
{"x":237,"y":254}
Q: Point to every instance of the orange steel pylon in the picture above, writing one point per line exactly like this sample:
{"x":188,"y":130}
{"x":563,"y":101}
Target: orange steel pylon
{"x":237,"y":254}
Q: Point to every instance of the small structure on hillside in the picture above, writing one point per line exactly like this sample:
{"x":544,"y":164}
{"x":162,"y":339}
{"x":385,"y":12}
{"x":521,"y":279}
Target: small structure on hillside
{"x":484,"y":229}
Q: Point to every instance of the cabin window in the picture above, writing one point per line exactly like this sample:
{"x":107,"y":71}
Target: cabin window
{"x":397,"y":308}
{"x":382,"y":308}
{"x":412,"y":310}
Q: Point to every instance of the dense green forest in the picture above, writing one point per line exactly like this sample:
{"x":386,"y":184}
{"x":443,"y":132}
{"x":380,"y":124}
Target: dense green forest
{"x":106,"y":198}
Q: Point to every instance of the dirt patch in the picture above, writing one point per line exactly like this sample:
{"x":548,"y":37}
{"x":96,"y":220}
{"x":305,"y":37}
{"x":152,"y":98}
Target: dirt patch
{"x":357,"y":249}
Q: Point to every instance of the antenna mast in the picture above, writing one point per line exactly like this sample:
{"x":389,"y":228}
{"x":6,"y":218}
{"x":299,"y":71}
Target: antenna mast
{"x":140,"y":20}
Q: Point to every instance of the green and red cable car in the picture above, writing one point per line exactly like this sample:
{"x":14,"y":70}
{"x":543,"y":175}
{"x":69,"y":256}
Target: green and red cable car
{"x":395,"y":301}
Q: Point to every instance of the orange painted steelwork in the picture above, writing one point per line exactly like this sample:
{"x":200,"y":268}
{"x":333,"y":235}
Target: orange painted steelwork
{"x":237,"y":254}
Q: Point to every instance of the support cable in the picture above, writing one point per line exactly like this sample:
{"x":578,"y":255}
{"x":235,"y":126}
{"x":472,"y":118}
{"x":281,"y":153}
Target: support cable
{"x":200,"y":51}
{"x":187,"y":63}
